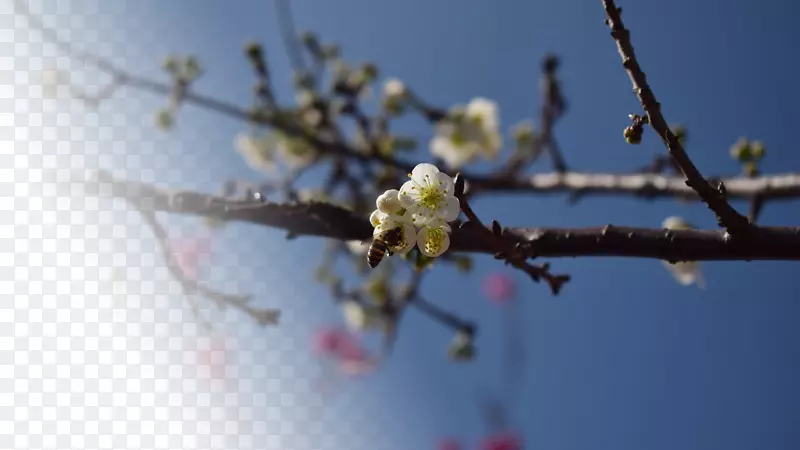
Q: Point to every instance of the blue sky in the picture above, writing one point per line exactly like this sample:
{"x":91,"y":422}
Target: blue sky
{"x":625,"y":358}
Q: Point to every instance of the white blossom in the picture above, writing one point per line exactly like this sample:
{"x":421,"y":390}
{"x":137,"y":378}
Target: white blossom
{"x":258,"y":153}
{"x":389,"y":202}
{"x":685,"y":273}
{"x":468,"y":133}
{"x":434,"y":239}
{"x":356,"y":317}
{"x":429,"y":196}
{"x":394,"y":89}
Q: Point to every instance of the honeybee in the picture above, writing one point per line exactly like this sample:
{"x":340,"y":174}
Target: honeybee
{"x":381,"y":243}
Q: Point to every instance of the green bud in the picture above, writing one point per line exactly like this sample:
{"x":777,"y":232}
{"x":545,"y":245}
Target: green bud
{"x":751,"y":169}
{"x":758,"y":150}
{"x":741,"y":150}
{"x":462,"y":348}
{"x":330,"y":51}
{"x":170,"y":64}
{"x":370,"y":71}
{"x":309,"y":39}
{"x":633,"y":134}
{"x":303,"y":79}
{"x":164,"y":120}
{"x":192,"y":68}
{"x":254,"y":51}
{"x":523,"y":133}
{"x":393,"y":105}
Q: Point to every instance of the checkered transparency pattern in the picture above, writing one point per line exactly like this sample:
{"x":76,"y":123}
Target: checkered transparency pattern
{"x":99,"y":346}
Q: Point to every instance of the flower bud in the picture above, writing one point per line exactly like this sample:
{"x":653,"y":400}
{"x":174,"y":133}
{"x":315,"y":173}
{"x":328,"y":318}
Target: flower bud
{"x":758,"y":150}
{"x":370,"y":71}
{"x":192,"y":68}
{"x":741,"y":150}
{"x":751,"y":169}
{"x":330,"y":51}
{"x":523,"y":132}
{"x":254,"y":51}
{"x":633,"y":134}
{"x":164,"y":120}
{"x":170,"y":64}
{"x":462,"y":347}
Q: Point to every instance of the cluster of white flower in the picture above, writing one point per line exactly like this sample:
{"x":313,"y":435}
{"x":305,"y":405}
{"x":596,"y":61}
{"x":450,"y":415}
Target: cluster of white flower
{"x":422,"y":209}
{"x":468,"y":133}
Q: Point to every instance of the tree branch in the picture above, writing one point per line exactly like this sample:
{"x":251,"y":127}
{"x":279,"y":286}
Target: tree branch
{"x":327,"y":220}
{"x":646,"y":185}
{"x":727,"y":216}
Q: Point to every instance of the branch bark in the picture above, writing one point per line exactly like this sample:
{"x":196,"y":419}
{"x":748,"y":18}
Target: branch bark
{"x":326,"y":220}
{"x":727,"y":216}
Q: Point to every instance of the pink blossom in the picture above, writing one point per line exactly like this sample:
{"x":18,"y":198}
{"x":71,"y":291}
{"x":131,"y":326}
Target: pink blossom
{"x":191,"y":252}
{"x":502,"y":441}
{"x":344,"y":347}
{"x":498,"y":288}
{"x":449,"y":444}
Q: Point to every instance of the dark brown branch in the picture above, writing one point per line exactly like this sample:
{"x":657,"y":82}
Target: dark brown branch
{"x":326,"y":220}
{"x":727,"y":216}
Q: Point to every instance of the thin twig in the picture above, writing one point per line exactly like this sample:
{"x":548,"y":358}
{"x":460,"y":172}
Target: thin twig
{"x":727,"y":216}
{"x":504,"y":249}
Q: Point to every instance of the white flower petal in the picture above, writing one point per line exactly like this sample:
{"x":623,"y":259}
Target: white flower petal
{"x":432,"y":242}
{"x":389,"y":202}
{"x":451,"y":210}
{"x":444,"y":183}
{"x":377,"y":217}
{"x":356,"y":317}
{"x":423,"y":173}
{"x":394,"y":88}
{"x":408,"y":195}
{"x":486,"y":110}
{"x":686,"y":273}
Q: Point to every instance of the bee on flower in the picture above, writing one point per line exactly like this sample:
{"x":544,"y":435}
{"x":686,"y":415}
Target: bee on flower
{"x":417,"y":214}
